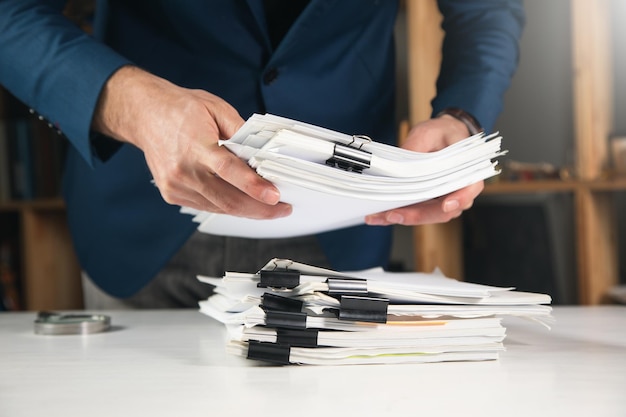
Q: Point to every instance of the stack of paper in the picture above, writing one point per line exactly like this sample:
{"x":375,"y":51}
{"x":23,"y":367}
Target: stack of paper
{"x":334,"y":180}
{"x":291,"y":312}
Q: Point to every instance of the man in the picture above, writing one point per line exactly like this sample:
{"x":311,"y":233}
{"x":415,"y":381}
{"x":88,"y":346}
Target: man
{"x":148,"y":97}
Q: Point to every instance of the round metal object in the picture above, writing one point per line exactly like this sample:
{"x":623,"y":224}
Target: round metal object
{"x":58,"y":324}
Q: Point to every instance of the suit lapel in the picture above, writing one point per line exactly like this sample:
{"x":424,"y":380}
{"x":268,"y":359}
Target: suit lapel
{"x":258,"y":12}
{"x":305,"y":22}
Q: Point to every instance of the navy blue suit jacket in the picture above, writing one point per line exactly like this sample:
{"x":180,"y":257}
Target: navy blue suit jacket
{"x":334,"y":68}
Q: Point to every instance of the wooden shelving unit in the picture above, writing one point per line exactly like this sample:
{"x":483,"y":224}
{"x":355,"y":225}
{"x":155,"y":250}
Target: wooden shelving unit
{"x":595,"y":219}
{"x":50,"y":273}
{"x":50,"y":277}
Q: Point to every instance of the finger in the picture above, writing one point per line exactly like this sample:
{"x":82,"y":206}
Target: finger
{"x":226,"y":117}
{"x":439,"y":210}
{"x":209,"y":193}
{"x":423,"y":213}
{"x":233,"y":201}
{"x":228,"y":122}
{"x":236,"y":172}
{"x":182,"y":194}
{"x":196,"y":201}
{"x":463,"y":198}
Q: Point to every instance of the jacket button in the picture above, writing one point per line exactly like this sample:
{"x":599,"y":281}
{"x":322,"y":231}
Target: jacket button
{"x":270,"y":75}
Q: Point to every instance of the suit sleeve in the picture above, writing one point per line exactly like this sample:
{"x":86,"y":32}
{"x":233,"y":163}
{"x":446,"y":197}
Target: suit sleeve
{"x":54,"y":67}
{"x":479,"y":57}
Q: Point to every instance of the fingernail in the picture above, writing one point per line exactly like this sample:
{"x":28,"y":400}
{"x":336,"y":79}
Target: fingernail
{"x":374,"y":220}
{"x":450,"y":205}
{"x":395,"y":218}
{"x":270,"y":196}
{"x":286,"y":211}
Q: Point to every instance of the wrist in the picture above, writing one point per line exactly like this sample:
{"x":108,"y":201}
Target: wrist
{"x":470,"y":122}
{"x":117,"y":110}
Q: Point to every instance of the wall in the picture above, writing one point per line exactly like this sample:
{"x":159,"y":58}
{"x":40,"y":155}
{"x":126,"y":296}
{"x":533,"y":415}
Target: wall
{"x":537,"y":123}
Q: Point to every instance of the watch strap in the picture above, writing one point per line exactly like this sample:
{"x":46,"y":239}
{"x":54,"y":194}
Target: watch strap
{"x":468,"y":120}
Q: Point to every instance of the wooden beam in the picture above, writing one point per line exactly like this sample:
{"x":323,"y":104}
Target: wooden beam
{"x":592,"y":85}
{"x":596,"y":245}
{"x":51,"y":271}
{"x":424,"y":56}
{"x":593,"y":121}
{"x":436,"y":245}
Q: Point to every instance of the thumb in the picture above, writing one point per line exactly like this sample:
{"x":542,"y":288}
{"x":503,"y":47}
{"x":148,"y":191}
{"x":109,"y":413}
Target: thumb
{"x":228,"y":122}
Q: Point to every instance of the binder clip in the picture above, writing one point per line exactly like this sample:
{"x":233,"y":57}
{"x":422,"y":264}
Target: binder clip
{"x":346,"y":286}
{"x":297,"y":337}
{"x":369,"y":309}
{"x":276,"y":302}
{"x":279,"y":278}
{"x":269,"y":352}
{"x":283,"y":312}
{"x":351,"y":158}
{"x":285,"y":319}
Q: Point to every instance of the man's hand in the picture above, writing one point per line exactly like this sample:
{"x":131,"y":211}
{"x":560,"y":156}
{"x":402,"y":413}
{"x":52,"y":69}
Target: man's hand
{"x":429,"y":136}
{"x":178,"y":131}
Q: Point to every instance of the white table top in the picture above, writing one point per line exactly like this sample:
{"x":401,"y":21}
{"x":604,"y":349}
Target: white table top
{"x":172,"y":363}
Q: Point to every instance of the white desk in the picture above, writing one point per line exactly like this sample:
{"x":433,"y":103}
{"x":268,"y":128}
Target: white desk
{"x":172,"y":363}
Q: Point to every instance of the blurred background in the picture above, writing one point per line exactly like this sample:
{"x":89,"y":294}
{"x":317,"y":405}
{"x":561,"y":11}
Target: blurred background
{"x":530,"y":238}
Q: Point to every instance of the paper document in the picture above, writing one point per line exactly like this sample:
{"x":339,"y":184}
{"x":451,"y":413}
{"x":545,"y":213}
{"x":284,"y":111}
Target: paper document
{"x":290,"y":312}
{"x":333,"y":180}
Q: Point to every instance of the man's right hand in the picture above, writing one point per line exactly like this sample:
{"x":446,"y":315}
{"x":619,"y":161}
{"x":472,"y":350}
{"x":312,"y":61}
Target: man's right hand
{"x":178,"y":131}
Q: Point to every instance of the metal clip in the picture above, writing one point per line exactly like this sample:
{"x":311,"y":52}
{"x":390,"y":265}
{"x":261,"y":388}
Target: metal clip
{"x":338,"y":285}
{"x":370,"y":309}
{"x":351,"y":158}
{"x":269,"y":352}
{"x":297,"y":337}
{"x":276,"y":302}
{"x":279,"y":278}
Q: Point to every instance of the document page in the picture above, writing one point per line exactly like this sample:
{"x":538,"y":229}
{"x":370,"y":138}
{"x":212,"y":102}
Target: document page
{"x":333,"y":180}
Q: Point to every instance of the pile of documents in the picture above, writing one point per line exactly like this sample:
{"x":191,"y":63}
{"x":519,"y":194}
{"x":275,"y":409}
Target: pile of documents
{"x":294,"y":313}
{"x":333,"y":180}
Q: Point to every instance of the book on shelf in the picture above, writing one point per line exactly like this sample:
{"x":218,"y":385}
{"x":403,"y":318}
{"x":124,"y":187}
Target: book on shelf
{"x":31,"y":154}
{"x":5,"y":170}
{"x":10,"y":294}
{"x":21,"y":155}
{"x":294,"y":313}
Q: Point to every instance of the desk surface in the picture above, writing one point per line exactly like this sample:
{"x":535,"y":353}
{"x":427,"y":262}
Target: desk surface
{"x":172,"y":363}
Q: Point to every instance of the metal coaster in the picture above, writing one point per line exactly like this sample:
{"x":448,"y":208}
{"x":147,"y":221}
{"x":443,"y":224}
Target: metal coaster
{"x":49,"y":323}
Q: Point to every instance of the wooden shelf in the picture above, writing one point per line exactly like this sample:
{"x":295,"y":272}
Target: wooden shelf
{"x":50,"y":274}
{"x":614,"y":184}
{"x":507,"y":187}
{"x":595,"y":218}
{"x":40,"y":204}
{"x":552,"y":186}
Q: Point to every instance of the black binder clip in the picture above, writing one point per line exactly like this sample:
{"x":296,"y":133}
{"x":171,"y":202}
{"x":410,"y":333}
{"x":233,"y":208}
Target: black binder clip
{"x":274,"y":302}
{"x":369,"y":309}
{"x":349,"y":157}
{"x":297,"y":337}
{"x":285,"y":319}
{"x":279,"y":278}
{"x":269,"y":352}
